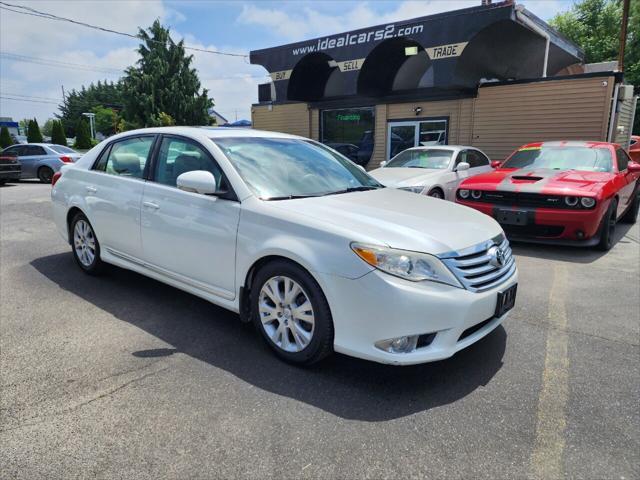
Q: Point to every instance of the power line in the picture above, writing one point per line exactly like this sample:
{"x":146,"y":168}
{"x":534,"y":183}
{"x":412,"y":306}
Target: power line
{"x":37,"y":13}
{"x":56,"y":63}
{"x":27,"y":100}
{"x":32,"y":96}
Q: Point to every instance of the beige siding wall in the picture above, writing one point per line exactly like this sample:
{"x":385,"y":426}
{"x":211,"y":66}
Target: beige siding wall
{"x":293,"y":118}
{"x":315,"y":124}
{"x":508,"y":116}
{"x":624,"y":122}
{"x":379,"y":137}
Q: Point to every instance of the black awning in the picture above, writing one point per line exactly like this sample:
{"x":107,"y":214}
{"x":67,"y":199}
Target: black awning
{"x":452,"y":50}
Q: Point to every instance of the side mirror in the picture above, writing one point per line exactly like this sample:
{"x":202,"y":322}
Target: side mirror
{"x":496,"y":163}
{"x":462,"y":166}
{"x":383,"y":163}
{"x":198,"y":181}
{"x":633,"y":167}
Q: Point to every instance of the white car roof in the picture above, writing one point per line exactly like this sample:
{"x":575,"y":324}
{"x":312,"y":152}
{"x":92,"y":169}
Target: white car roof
{"x":443,"y":147}
{"x":212,"y":132}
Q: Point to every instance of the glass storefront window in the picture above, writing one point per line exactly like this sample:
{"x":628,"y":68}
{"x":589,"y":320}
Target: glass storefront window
{"x":350,"y":131}
{"x":407,"y":134}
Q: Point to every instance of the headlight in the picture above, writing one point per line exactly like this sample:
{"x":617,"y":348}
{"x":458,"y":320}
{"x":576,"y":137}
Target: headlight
{"x":463,"y":193}
{"x":571,"y":201}
{"x":416,"y":189}
{"x":476,"y":194}
{"x":413,"y":266}
{"x":588,"y":202}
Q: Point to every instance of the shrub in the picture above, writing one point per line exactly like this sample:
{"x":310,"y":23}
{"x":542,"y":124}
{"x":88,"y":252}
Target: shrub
{"x":57,"y":134}
{"x":33,"y":132}
{"x":5,"y":138}
{"x":83,"y":135}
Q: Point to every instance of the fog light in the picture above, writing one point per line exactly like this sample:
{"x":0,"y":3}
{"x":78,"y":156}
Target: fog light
{"x":580,"y":234}
{"x":404,"y":344}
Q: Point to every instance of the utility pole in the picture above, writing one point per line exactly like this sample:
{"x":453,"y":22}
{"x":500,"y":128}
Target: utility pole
{"x":623,"y":33}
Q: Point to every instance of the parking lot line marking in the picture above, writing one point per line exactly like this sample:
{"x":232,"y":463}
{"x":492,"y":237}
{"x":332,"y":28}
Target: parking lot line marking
{"x":546,"y":460}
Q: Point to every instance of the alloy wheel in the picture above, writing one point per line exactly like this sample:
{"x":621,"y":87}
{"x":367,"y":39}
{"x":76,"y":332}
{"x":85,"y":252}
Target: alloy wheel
{"x":84,"y":243}
{"x":286,"y":314}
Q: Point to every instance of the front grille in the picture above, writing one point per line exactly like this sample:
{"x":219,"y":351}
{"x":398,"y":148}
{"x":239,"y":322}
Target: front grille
{"x":477,"y":268}
{"x":522,"y":199}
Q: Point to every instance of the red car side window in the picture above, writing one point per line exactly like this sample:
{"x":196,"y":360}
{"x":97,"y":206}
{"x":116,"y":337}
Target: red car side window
{"x":623,"y":159}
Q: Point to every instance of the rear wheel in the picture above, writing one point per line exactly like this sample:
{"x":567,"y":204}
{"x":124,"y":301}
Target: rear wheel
{"x":436,"y":193}
{"x":85,"y":245}
{"x":608,"y":227}
{"x":292,"y":313}
{"x":45,"y":174}
{"x":631,"y":214}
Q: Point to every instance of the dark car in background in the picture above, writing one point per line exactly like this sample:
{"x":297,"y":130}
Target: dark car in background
{"x":42,"y":160}
{"x":10,"y":168}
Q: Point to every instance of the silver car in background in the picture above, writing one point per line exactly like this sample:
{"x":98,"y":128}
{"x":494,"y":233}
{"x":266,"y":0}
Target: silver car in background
{"x":42,"y":160}
{"x":432,"y":170}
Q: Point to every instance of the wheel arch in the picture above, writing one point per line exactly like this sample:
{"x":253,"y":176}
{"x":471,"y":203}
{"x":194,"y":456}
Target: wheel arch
{"x":73,"y":211}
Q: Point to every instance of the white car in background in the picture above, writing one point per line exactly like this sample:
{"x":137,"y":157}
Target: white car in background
{"x":432,"y":170}
{"x":292,"y":236}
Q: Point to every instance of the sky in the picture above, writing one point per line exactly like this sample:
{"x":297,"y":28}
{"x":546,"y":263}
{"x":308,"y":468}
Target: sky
{"x":230,"y":26}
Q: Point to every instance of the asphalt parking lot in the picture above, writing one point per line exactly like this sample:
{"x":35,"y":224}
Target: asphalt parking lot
{"x":124,"y":377}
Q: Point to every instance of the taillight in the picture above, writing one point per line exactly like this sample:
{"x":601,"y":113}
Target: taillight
{"x":55,"y":178}
{"x":66,"y":159}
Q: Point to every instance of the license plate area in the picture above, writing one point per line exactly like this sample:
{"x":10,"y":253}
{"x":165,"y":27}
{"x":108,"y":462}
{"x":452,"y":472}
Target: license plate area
{"x":506,"y":300}
{"x":512,"y":217}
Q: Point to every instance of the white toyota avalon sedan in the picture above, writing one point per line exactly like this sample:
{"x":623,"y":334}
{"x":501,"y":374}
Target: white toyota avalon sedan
{"x":292,"y":236}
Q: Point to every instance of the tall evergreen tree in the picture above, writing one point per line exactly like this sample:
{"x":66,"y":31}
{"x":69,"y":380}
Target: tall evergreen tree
{"x":77,"y":102}
{"x":83,"y":135}
{"x":5,"y":138}
{"x":57,"y":133}
{"x":33,"y":132}
{"x":163,"y":82}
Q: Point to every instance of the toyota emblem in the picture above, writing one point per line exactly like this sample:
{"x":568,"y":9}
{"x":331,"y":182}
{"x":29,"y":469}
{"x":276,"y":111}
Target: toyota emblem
{"x":496,"y":257}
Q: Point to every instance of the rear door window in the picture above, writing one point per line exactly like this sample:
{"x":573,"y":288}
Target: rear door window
{"x":126,"y":158}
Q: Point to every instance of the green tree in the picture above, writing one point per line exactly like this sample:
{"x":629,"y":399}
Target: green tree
{"x":83,"y":135}
{"x":57,"y":134}
{"x":47,"y":128}
{"x":33,"y":132}
{"x":76,"y":102}
{"x":5,"y":138}
{"x":595,"y":26}
{"x":106,"y":120}
{"x":163,"y":81}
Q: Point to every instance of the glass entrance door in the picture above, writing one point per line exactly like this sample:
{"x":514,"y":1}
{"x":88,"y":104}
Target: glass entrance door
{"x":408,"y":134}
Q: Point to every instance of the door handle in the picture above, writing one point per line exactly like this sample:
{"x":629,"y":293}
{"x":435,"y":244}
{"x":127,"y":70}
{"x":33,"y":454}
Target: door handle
{"x":91,"y":189}
{"x":153,"y":206}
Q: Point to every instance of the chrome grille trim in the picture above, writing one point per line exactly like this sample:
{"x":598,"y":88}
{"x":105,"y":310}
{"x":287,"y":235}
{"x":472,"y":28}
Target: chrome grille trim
{"x":472,"y":268}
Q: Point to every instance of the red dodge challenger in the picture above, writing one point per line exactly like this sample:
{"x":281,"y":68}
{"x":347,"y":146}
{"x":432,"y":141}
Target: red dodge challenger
{"x":559,"y":192}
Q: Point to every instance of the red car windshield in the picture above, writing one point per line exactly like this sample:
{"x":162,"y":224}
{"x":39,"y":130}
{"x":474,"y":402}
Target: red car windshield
{"x":561,"y":158}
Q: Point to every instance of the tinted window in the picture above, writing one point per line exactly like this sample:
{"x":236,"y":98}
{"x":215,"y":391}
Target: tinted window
{"x":350,"y":126}
{"x":477,"y":159}
{"x":61,"y":149}
{"x":13,"y":150}
{"x":29,"y":150}
{"x":623,"y":159}
{"x":283,"y":167}
{"x":590,"y":159}
{"x":126,"y":157}
{"x":179,"y":156}
{"x":436,"y":159}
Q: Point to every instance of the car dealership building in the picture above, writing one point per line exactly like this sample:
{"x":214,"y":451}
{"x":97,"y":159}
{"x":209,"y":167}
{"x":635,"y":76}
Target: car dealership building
{"x":493,"y":76}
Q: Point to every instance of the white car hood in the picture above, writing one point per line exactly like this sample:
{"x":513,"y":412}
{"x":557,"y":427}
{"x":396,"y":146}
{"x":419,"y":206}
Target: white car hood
{"x":405,"y":177}
{"x":396,"y":218}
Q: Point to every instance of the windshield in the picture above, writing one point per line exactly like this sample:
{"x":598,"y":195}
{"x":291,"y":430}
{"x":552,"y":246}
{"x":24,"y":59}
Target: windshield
{"x":435,"y":159}
{"x":278,"y":168}
{"x":61,"y":149}
{"x":561,"y":158}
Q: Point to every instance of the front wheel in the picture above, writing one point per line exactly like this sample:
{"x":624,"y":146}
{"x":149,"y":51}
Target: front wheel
{"x":45,"y":174}
{"x":292,"y":313}
{"x":608,"y":227}
{"x":436,"y":193}
{"x":85,"y":245}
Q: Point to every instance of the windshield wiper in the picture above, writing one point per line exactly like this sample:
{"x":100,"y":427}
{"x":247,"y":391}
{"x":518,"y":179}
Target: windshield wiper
{"x":288,"y":197}
{"x":361,"y":188}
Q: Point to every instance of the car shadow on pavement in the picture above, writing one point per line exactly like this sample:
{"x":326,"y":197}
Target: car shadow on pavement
{"x":569,"y":253}
{"x":344,"y":386}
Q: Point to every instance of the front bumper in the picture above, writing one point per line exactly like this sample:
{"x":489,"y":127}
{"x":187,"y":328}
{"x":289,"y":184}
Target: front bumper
{"x":378,"y":306}
{"x":550,"y":225}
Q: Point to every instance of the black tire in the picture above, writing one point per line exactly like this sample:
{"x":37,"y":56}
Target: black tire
{"x":608,"y":227}
{"x":96,"y":266}
{"x":45,"y":174}
{"x":631,"y":214}
{"x":436,"y":193}
{"x":321,"y":343}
